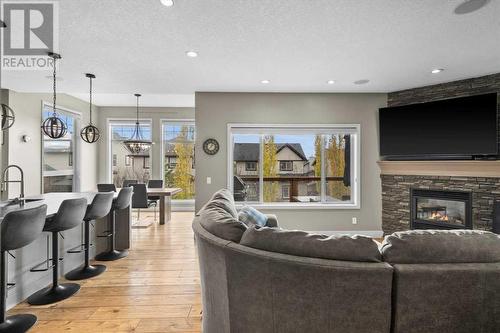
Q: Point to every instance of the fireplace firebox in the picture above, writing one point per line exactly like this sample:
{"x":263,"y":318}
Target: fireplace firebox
{"x":432,"y":209}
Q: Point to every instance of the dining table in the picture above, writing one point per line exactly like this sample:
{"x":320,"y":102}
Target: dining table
{"x":165,"y":195}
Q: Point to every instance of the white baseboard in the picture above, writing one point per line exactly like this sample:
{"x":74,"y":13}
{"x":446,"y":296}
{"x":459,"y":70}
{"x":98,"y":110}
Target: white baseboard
{"x":369,"y":233}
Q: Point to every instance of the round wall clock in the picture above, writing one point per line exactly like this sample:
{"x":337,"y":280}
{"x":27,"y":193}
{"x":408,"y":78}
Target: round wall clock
{"x":211,"y":146}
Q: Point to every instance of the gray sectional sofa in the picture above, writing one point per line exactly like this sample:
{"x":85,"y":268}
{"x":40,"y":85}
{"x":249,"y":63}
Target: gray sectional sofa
{"x":421,"y":281}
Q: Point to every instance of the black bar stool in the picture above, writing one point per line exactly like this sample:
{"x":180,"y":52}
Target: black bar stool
{"x":19,"y":228}
{"x":100,"y":207}
{"x":70,"y":214}
{"x":121,"y":202}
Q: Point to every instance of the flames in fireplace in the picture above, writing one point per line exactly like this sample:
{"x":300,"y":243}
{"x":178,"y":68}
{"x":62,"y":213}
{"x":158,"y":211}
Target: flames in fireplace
{"x":438,"y":216}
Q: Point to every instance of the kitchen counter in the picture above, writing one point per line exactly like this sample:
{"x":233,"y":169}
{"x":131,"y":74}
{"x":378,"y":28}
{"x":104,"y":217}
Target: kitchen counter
{"x":19,"y":268}
{"x":52,"y":200}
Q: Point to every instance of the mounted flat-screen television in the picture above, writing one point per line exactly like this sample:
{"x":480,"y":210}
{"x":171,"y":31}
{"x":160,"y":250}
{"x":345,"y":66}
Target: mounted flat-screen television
{"x":457,"y":128}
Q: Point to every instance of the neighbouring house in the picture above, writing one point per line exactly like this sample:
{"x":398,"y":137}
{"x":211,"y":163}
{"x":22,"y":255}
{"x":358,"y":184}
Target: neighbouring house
{"x":291,"y":164}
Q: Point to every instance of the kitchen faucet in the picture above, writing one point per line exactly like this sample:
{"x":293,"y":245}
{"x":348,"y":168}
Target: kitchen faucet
{"x":6,"y":181}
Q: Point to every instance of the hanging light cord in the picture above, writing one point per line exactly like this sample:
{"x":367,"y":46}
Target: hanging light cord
{"x":90,"y":106}
{"x":138,"y":126}
{"x":54,"y":86}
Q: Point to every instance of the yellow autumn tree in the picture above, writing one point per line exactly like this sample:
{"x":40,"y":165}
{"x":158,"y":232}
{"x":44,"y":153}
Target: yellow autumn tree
{"x":183,"y":178}
{"x":335,"y":158}
{"x":269,"y":169}
{"x":317,"y":158}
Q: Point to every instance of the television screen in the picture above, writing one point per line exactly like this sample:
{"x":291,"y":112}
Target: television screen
{"x":458,"y":128}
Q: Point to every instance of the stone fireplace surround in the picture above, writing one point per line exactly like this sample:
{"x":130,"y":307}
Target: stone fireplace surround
{"x":396,"y":197}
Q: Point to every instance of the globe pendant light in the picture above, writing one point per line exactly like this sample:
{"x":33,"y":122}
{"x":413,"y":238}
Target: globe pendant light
{"x":8,"y":117}
{"x":137,"y":145}
{"x":90,"y":133}
{"x":54,"y":127}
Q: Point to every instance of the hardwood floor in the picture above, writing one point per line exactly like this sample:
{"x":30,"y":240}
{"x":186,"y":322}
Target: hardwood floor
{"x":155,"y":289}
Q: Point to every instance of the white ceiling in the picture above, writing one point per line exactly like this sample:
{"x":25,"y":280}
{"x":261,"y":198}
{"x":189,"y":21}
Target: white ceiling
{"x":139,"y":46}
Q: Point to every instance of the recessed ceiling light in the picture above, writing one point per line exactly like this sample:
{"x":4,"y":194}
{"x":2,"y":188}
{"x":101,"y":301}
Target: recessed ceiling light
{"x":330,"y":81}
{"x":265,"y":81}
{"x":364,"y":81}
{"x":168,"y":3}
{"x":192,"y":54}
{"x":437,"y":70}
{"x":470,"y":6}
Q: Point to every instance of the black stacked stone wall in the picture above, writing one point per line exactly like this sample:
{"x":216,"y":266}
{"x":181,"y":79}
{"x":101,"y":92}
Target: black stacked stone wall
{"x":396,"y":189}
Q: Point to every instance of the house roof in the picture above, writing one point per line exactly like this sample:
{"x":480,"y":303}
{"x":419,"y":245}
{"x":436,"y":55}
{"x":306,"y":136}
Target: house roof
{"x":247,"y":152}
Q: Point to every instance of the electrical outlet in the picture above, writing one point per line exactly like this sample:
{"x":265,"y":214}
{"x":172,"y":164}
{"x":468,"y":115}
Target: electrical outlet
{"x":354,"y":220}
{"x":209,"y":180}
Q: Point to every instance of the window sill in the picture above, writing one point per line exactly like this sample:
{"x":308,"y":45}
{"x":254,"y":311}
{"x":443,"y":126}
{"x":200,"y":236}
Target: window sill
{"x":298,"y":206}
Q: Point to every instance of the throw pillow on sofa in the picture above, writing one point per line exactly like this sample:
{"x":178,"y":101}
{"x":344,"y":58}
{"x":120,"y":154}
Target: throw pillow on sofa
{"x":251,"y":217}
{"x":301,"y":243}
{"x":219,"y":217}
{"x":441,"y":246}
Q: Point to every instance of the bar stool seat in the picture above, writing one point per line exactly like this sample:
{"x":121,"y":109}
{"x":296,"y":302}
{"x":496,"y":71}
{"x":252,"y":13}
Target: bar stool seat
{"x":122,"y":201}
{"x":100,"y":207}
{"x":70,"y":214}
{"x":18,"y":229}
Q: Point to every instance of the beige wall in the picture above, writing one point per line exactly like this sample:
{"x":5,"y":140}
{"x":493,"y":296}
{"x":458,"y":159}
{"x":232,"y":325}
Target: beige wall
{"x":154,"y":114}
{"x":215,"y":110}
{"x":28,"y":155}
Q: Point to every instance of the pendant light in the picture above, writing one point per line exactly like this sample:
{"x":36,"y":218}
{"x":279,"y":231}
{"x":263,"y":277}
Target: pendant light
{"x":54,"y":127}
{"x":90,"y":133}
{"x":8,"y":117}
{"x":137,"y":145}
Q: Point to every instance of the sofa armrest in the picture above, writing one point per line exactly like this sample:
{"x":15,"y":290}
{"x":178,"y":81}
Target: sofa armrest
{"x":272,"y":221}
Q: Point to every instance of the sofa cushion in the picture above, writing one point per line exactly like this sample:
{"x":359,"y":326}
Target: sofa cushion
{"x":219,"y":217}
{"x":252,"y":217}
{"x":301,"y":243}
{"x":224,"y":199}
{"x":441,"y":246}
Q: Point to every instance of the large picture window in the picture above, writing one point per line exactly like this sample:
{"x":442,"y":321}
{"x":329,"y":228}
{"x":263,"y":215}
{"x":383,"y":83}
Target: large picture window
{"x":178,"y":157}
{"x":126,"y":165}
{"x":59,"y":155}
{"x":295,"y":165}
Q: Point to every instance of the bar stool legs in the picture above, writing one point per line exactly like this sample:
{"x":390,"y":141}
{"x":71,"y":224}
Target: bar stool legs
{"x":86,"y":271}
{"x":57,"y":292}
{"x":113,"y":253}
{"x":13,"y":324}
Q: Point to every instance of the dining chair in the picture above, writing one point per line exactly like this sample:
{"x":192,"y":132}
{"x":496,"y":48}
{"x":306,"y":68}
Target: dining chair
{"x":106,"y":187}
{"x":140,"y":198}
{"x":128,"y":182}
{"x":155,"y":183}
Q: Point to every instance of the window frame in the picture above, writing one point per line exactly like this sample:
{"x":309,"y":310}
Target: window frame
{"x":251,"y":169}
{"x":181,"y":121}
{"x":75,"y":155}
{"x":285,"y":162}
{"x":287,"y":188}
{"x":109,"y":151}
{"x":323,"y":129}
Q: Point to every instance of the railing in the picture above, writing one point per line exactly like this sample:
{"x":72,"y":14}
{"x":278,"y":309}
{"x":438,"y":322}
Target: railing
{"x":293,"y":181}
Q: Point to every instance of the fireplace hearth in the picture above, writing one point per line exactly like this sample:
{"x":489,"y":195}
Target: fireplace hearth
{"x":440,"y":209}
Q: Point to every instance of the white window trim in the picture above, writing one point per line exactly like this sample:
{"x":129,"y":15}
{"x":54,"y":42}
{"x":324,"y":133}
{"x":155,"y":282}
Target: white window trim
{"x":109,"y":139}
{"x":182,"y":202}
{"x":294,"y":128}
{"x":162,"y":123}
{"x":77,"y":150}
